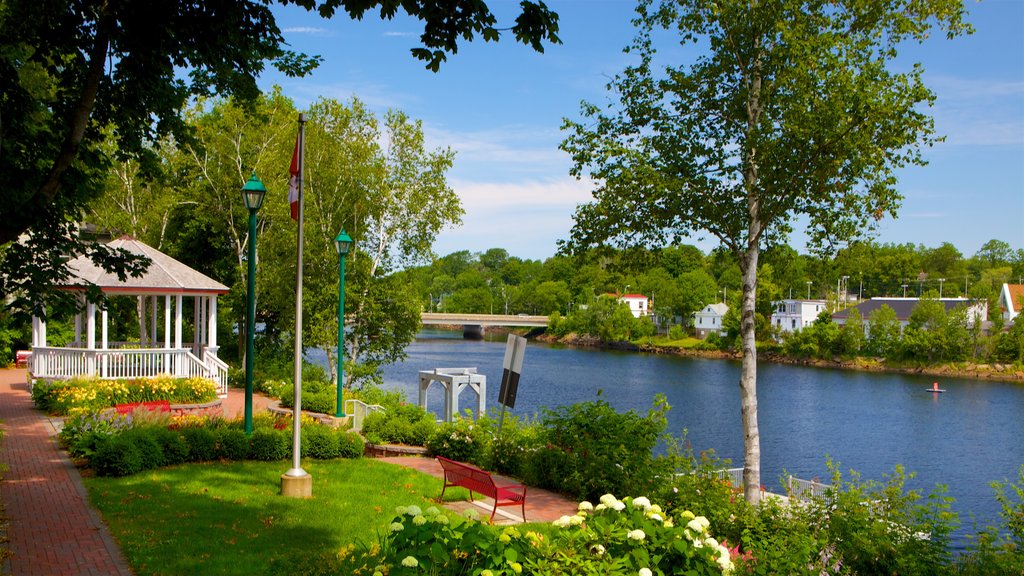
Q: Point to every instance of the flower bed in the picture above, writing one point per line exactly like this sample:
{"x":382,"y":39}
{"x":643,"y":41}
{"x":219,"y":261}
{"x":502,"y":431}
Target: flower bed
{"x":81,"y":395}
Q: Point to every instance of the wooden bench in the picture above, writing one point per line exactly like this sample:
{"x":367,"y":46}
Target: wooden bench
{"x":476,"y":480}
{"x":154,"y":406}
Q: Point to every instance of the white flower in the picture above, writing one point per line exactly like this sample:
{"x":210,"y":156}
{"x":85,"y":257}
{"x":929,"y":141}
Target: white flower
{"x":642,"y":502}
{"x":608,"y":499}
{"x":397,"y":527}
{"x":413,"y":510}
{"x":432,"y":511}
{"x":599,"y":507}
{"x":562,"y":522}
{"x":586,"y":506}
{"x":703,"y":522}
{"x":576,"y":520}
{"x":410,"y":562}
{"x":697,"y":543}
{"x":619,"y":505}
{"x":645,"y":572}
{"x":695,"y":526}
{"x":419,"y":520}
{"x":711,"y":542}
{"x":401,"y":510}
{"x":441,"y":519}
{"x":669,"y":524}
{"x":656,"y":517}
{"x":597,"y":549}
{"x":637,"y":535}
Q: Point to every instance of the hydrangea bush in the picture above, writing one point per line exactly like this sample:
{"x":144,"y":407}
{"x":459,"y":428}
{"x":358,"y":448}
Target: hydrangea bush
{"x":616,"y":537}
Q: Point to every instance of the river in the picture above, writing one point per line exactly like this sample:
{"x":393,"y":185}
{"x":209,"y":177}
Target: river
{"x":868,"y":422}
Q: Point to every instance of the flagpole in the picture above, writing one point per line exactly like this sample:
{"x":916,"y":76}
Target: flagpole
{"x":296,"y":481}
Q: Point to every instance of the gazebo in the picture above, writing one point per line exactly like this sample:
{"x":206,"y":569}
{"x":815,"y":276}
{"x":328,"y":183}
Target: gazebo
{"x":166,"y":277}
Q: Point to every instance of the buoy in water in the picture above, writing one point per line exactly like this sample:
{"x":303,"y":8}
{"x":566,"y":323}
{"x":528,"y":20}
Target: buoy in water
{"x":935,"y":388}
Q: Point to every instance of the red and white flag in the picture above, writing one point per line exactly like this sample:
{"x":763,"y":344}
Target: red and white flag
{"x":293,"y":185}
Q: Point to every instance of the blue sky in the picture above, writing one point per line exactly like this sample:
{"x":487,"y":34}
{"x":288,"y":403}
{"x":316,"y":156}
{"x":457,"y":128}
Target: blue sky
{"x":500,"y":107}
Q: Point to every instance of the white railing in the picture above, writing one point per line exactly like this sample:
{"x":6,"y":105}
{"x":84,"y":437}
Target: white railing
{"x":48,"y":362}
{"x":359,"y":410}
{"x":806,"y":489}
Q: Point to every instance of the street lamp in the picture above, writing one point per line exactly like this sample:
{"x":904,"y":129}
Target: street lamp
{"x":343,"y":242}
{"x":808,"y":289}
{"x":253,"y":193}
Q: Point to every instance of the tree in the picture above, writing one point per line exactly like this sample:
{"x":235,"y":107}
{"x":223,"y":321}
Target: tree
{"x":790,"y":113}
{"x":883,"y":332}
{"x":75,"y":73}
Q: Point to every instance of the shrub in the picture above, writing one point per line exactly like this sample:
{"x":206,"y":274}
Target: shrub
{"x":350,"y":444}
{"x":82,"y":432}
{"x":116,"y":456}
{"x":399,"y":424}
{"x":151,"y":454}
{"x":456,"y":440}
{"x":232,"y":444}
{"x":173,"y":444}
{"x":269,"y":444}
{"x":319,"y":441}
{"x":202,"y":444}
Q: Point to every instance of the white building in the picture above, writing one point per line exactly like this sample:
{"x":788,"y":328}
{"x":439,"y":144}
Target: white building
{"x":709,"y":320}
{"x":639,"y":304}
{"x":1011,"y":300}
{"x":792,"y":315}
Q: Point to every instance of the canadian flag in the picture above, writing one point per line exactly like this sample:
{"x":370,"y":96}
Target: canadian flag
{"x":293,"y":185}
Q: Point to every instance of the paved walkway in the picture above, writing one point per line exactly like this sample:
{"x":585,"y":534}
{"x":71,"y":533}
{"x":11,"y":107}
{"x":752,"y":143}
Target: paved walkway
{"x":51,"y":527}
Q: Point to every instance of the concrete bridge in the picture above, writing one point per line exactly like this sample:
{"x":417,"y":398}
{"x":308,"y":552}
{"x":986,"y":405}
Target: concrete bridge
{"x":473,"y":325}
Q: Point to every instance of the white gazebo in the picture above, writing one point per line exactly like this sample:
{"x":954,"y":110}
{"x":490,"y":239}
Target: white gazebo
{"x":166,"y":277}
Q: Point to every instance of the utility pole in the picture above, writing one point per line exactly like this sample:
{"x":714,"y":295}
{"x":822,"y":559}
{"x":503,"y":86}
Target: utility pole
{"x":808,"y":289}
{"x":941,"y":280}
{"x":904,"y":290}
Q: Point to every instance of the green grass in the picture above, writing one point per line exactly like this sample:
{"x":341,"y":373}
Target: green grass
{"x":228,"y":518}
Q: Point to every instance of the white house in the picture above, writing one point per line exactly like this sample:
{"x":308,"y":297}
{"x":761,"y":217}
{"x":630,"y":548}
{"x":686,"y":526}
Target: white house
{"x":792,"y":315}
{"x":709,"y":320}
{"x":977,"y":310}
{"x":1011,"y":300}
{"x":639,"y":304}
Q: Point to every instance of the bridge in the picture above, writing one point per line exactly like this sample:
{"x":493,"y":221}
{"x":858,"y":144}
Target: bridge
{"x":473,"y":324}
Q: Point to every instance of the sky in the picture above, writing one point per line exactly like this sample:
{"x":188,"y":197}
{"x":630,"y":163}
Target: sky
{"x":500,"y":107}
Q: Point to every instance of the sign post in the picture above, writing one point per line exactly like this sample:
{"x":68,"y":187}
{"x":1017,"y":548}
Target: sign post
{"x":512,"y":367}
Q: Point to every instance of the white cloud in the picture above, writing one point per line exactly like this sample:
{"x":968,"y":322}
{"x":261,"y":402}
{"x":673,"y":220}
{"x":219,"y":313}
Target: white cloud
{"x":305,"y":30}
{"x":400,"y":34}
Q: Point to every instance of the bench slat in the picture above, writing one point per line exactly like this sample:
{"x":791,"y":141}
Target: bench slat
{"x":476,"y":480}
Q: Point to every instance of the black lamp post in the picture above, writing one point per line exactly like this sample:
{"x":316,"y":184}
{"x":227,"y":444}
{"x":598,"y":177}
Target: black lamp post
{"x":343,"y":242}
{"x":253,"y":192}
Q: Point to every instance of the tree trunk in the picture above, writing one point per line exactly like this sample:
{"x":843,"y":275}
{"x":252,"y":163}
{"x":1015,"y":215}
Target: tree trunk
{"x":748,"y":378}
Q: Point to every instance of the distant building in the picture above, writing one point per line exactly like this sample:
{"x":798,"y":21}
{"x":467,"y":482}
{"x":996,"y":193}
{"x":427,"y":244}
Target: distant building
{"x":709,"y":320}
{"x":977,"y":310}
{"x":639,"y":304}
{"x":1011,"y":300}
{"x":792,"y":315}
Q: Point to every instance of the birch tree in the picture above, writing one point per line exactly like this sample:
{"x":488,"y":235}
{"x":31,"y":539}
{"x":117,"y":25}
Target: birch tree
{"x":791,"y":109}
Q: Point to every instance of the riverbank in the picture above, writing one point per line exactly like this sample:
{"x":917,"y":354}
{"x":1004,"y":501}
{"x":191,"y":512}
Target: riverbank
{"x":1001,"y":372}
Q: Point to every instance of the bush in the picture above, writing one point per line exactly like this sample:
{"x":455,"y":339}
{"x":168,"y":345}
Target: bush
{"x":151,"y":455}
{"x":232,"y":444}
{"x":319,"y":441}
{"x":269,"y":444}
{"x":82,"y":433}
{"x":76,"y":395}
{"x":317,"y":396}
{"x":350,"y":445}
{"x":116,"y":456}
{"x":456,"y":440}
{"x":399,"y":424}
{"x":173,"y":444}
{"x":202,"y":444}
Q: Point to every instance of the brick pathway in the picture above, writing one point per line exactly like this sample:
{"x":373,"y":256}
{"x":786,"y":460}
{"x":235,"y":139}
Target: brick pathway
{"x":52,"y":529}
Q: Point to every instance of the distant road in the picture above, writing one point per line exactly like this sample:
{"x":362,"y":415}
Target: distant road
{"x":435,"y":318}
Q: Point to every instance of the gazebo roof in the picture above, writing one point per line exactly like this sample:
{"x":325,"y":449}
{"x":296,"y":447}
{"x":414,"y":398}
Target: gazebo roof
{"x":164,"y":276}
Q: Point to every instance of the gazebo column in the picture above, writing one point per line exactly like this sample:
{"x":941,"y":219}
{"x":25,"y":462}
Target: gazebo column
{"x":141,"y":308}
{"x":152,"y":326}
{"x":90,"y":336}
{"x":167,"y":333}
{"x":103,"y":344}
{"x":77,"y":341}
{"x":177,"y":335}
{"x":212,"y":326}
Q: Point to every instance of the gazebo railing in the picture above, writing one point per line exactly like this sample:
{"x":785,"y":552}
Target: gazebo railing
{"x":51,"y":362}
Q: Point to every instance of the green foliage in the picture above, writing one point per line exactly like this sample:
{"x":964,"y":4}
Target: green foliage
{"x":400,"y":424}
{"x":232,"y":443}
{"x":317,"y":396}
{"x":999,"y":549}
{"x":117,"y":455}
{"x":460,"y":440}
{"x":350,"y":444}
{"x":269,"y":444}
{"x":591,"y":449}
{"x":202,"y":443}
{"x":319,"y":442}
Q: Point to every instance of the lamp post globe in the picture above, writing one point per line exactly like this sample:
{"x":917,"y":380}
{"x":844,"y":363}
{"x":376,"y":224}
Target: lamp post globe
{"x":343,"y":243}
{"x":253,"y":193}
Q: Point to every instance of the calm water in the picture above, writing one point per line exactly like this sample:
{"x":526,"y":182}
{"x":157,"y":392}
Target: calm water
{"x":966,"y":438}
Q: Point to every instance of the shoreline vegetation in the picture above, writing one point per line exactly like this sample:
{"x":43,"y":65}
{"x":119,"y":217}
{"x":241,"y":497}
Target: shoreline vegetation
{"x":999,"y":371}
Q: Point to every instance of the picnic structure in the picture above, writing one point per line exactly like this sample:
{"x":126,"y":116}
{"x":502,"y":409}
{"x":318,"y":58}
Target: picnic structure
{"x":92,"y":354}
{"x":454,"y":381}
{"x":460,"y":474}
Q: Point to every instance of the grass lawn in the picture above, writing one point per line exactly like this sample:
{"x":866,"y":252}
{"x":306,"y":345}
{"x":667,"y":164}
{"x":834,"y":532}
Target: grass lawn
{"x":228,"y":518}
